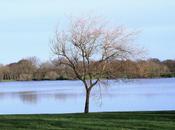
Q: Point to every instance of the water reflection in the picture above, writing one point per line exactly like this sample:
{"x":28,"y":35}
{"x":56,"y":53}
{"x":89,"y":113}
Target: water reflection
{"x":28,"y":97}
{"x":32,"y":97}
{"x":2,"y":95}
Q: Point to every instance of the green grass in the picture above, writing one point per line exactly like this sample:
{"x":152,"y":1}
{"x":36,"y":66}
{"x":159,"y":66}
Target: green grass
{"x":92,"y":121}
{"x":7,"y":80}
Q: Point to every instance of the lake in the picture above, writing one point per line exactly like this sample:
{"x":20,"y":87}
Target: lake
{"x":39,"y":97}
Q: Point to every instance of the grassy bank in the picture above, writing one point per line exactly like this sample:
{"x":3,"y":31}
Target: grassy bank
{"x":93,"y":121}
{"x":7,"y":80}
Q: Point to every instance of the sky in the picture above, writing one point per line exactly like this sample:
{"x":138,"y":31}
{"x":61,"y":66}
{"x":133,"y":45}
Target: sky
{"x":26,"y":27}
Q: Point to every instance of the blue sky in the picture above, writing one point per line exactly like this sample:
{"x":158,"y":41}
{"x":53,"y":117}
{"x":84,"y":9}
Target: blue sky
{"x":27,"y":26}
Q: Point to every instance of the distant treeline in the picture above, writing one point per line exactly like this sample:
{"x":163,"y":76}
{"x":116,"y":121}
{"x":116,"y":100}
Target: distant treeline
{"x":32,"y":69}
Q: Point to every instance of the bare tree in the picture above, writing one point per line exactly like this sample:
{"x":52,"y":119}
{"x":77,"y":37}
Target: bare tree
{"x":88,"y":46}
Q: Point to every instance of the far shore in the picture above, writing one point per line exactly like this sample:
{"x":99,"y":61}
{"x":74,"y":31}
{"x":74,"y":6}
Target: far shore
{"x":77,"y":80}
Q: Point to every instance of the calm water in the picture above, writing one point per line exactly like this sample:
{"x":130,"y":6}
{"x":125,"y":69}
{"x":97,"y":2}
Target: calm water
{"x":68,"y":96}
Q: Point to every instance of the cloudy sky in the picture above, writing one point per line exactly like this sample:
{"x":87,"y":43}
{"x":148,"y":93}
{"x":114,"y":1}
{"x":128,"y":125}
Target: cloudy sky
{"x":27,"y":26}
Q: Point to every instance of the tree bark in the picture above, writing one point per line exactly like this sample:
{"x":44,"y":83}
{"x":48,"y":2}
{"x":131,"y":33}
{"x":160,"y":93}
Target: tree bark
{"x":86,"y":109}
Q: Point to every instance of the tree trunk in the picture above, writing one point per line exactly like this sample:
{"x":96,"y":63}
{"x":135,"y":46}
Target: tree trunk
{"x":86,"y":109}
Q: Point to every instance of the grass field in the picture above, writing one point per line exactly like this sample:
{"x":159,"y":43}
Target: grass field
{"x":92,"y":121}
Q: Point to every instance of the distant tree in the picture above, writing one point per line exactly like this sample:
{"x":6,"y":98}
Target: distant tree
{"x":23,"y":69}
{"x":151,"y":68}
{"x":155,"y":60}
{"x":47,"y":65}
{"x":14,"y":71}
{"x":1,"y":71}
{"x":87,"y":48}
{"x":51,"y":75}
{"x":35,"y":61}
{"x":26,"y":69}
{"x":130,"y":69}
{"x":170,"y":64}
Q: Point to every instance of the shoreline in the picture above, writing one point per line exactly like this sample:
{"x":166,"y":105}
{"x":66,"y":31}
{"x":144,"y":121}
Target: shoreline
{"x":100,"y":112}
{"x":1,"y":81}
